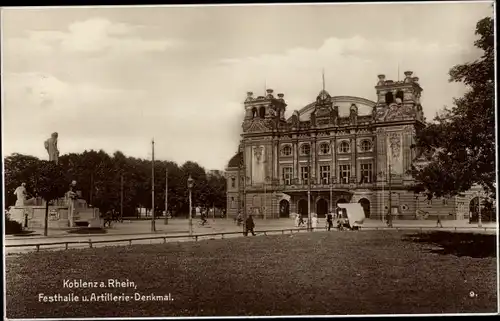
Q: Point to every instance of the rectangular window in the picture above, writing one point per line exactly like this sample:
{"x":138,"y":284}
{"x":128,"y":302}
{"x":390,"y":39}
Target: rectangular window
{"x":233,"y":182}
{"x":324,"y":172}
{"x":304,"y":174}
{"x":287,"y":175}
{"x":366,"y":173}
{"x":232,"y":202}
{"x":345,"y":173}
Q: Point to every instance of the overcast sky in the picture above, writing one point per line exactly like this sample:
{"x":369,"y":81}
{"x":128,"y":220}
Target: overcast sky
{"x":113,"y":78}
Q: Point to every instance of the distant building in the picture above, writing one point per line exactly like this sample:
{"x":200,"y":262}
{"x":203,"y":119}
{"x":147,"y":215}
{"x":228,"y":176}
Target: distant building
{"x":340,"y":148}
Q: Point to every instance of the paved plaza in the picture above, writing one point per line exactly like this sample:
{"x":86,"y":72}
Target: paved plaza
{"x":137,"y":229}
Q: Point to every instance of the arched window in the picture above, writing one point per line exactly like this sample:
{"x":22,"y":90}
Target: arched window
{"x":233,"y":182}
{"x":344,"y":147}
{"x":262,"y":112}
{"x":305,"y":149}
{"x":366,"y":146}
{"x":400,"y":95}
{"x":389,"y":98}
{"x":286,"y":150}
{"x":324,"y":148}
{"x":254,"y":112}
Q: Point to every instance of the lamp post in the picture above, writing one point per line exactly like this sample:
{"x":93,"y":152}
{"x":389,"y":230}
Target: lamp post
{"x":265,"y":197}
{"x":390,"y":197}
{"x":190,"y":183}
{"x":166,"y":196}
{"x":331,"y":194}
{"x":309,"y":190}
{"x":479,"y":218}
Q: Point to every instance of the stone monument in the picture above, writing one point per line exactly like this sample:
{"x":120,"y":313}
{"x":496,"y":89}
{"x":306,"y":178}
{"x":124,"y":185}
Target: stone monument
{"x":21,"y":193}
{"x":51,"y":147}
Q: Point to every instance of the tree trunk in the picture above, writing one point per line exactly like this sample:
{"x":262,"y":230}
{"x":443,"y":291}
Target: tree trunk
{"x":46,"y":225}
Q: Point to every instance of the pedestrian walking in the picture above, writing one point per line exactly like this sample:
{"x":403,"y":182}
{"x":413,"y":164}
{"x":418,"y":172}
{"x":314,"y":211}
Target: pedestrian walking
{"x":438,"y":223}
{"x":329,"y":221}
{"x":389,"y":219}
{"x":301,"y":220}
{"x":249,"y":225}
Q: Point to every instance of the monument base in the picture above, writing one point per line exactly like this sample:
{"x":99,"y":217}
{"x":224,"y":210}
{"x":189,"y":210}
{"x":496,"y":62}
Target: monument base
{"x":59,"y":218}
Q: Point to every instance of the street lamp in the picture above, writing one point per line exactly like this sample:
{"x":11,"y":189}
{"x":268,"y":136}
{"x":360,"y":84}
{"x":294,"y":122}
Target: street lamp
{"x":331,"y":194}
{"x":479,"y":219}
{"x":190,"y":183}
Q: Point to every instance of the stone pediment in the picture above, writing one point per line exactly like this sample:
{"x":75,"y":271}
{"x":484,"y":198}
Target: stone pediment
{"x":394,"y":112}
{"x":258,"y":126}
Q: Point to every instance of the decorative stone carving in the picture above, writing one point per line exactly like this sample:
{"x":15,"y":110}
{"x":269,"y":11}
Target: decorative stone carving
{"x":353,"y":114}
{"x":51,"y":147}
{"x":313,"y":118}
{"x":295,"y":119}
{"x":395,"y":145}
{"x":381,"y":80}
{"x":334,"y":115}
{"x":258,"y":125}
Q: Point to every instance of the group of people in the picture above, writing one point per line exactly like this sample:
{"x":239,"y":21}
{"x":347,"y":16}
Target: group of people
{"x":341,"y":221}
{"x":249,"y":223}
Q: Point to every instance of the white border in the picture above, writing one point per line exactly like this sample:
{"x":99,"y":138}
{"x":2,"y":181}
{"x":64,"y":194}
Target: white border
{"x":256,"y":5}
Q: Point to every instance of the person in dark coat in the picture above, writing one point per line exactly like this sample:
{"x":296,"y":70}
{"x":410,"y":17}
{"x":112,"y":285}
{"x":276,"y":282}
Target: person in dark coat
{"x":249,"y":225}
{"x":329,"y":219}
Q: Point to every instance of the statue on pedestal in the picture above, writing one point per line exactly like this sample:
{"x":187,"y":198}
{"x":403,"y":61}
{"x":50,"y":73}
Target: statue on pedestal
{"x":21,"y":194}
{"x":51,"y":147}
{"x":71,"y":197}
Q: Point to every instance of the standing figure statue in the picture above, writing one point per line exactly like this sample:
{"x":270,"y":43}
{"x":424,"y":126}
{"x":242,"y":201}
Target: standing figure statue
{"x":51,"y":147}
{"x":21,"y":193}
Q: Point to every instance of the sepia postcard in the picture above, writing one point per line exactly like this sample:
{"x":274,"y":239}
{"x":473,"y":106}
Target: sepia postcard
{"x":257,"y":160}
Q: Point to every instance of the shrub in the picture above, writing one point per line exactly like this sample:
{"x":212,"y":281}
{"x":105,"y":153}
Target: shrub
{"x":12,"y":227}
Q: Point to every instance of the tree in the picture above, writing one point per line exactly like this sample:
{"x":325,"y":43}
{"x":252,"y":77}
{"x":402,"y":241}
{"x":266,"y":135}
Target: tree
{"x":460,"y":143}
{"x":19,"y":169}
{"x":52,"y":184}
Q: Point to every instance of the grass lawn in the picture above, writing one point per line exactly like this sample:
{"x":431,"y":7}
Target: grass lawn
{"x":364,"y":272}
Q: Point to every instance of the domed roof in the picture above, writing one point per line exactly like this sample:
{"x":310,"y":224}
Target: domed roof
{"x":323,"y":95}
{"x":235,"y":160}
{"x":365,"y":107}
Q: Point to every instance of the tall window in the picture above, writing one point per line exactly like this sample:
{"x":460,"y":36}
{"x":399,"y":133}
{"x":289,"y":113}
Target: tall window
{"x":305,"y":149}
{"x":324,"y":148}
{"x":345,"y":173}
{"x":304,"y":174}
{"x":262,"y":112}
{"x":232,"y":202}
{"x":344,"y":147}
{"x":389,"y":98}
{"x":366,"y":146}
{"x":366,"y":173}
{"x":324,"y":172}
{"x":287,"y":175}
{"x":233,"y":182}
{"x":286,"y":150}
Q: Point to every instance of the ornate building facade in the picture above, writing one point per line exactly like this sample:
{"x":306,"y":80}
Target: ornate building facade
{"x":336,"y":149}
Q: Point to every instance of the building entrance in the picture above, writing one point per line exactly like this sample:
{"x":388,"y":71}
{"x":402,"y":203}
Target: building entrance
{"x":302,"y":207}
{"x":284,"y":208}
{"x":321,"y":207}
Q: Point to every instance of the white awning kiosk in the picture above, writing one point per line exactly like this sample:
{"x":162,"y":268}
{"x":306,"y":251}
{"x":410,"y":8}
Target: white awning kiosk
{"x":355,"y":213}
